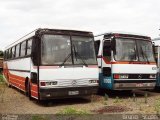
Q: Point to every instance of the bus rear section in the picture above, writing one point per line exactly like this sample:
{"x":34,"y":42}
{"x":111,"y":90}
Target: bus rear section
{"x":62,"y":64}
{"x":125,"y":61}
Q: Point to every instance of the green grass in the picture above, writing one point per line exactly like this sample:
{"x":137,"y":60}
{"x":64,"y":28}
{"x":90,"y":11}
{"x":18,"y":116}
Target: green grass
{"x":1,"y":79}
{"x":72,"y":111}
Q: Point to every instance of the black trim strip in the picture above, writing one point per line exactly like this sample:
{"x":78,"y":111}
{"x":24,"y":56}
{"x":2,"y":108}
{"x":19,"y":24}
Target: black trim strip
{"x":27,"y":56}
{"x":134,"y":81}
{"x":17,"y":70}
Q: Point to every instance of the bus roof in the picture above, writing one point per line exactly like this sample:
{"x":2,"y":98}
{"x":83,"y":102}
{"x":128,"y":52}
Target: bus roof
{"x":124,"y":34}
{"x":47,"y":30}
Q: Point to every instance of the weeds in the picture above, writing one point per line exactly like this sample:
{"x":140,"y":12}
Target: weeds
{"x":40,"y":117}
{"x":72,"y":111}
{"x":146,"y":97}
{"x":157,"y":106}
{"x":134,"y":97}
{"x":2,"y":88}
{"x":118,"y":100}
{"x":106,"y":97}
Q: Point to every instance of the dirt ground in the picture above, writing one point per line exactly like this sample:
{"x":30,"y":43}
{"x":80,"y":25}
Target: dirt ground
{"x":15,"y":102}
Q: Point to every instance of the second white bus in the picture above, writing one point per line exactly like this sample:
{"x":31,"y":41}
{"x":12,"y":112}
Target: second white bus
{"x":126,"y":61}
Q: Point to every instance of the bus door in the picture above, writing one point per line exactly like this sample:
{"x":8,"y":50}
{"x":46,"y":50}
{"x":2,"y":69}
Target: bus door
{"x":106,"y":77}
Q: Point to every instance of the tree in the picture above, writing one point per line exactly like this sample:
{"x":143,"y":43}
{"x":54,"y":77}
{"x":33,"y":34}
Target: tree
{"x":1,"y":53}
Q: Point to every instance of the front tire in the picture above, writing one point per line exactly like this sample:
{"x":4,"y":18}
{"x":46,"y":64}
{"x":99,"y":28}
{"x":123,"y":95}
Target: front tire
{"x":29,"y":91}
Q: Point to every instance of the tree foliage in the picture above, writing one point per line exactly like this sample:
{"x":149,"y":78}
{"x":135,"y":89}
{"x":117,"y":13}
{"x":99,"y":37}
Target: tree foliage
{"x":1,"y":53}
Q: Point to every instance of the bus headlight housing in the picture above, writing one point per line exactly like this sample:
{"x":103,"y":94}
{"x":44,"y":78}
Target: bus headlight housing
{"x":152,"y":76}
{"x":121,"y":76}
{"x":93,"y":81}
{"x":49,"y":83}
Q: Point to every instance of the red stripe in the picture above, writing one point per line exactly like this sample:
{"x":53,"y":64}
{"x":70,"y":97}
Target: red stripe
{"x":106,"y":61}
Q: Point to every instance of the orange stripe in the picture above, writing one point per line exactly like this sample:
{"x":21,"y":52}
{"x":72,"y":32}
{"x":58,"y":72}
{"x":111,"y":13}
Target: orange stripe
{"x":34,"y":94}
{"x":34,"y":87}
{"x":106,"y":61}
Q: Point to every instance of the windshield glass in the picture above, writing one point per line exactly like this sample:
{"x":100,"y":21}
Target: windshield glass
{"x":125,"y":50}
{"x":83,"y":49}
{"x":56,"y":50}
{"x":145,"y":51}
{"x":133,"y":50}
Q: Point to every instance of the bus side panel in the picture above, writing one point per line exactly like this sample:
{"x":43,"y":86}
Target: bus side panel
{"x":16,"y":71}
{"x":34,"y":90}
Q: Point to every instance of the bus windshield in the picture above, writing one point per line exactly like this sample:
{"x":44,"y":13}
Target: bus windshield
{"x":133,"y":50}
{"x":66,"y":50}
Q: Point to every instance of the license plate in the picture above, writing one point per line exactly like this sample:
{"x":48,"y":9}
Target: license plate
{"x":73,"y":92}
{"x":139,"y":85}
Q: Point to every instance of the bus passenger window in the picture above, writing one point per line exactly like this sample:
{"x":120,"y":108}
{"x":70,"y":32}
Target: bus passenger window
{"x":107,"y":50}
{"x":23,"y":48}
{"x":13,"y":52}
{"x":17,"y":50}
{"x":29,"y":46}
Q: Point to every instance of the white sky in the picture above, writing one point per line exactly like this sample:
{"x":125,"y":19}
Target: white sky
{"x":19,"y":17}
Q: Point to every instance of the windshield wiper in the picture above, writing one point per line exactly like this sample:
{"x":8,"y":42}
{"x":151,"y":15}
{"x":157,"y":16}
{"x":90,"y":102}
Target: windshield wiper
{"x":144,"y":55}
{"x":65,"y":59}
{"x":77,"y":55}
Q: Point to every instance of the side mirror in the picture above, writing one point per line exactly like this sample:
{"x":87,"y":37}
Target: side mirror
{"x":34,"y":53}
{"x":113,"y":44}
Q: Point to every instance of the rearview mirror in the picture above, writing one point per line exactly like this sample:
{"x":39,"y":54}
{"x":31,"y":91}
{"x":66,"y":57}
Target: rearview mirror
{"x":113,"y":44}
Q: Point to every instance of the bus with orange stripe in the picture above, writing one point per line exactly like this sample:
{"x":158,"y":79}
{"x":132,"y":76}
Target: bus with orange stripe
{"x":126,"y":61}
{"x":52,"y":63}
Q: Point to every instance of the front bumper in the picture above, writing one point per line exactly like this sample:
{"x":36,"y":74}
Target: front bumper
{"x":134,"y":84}
{"x":70,"y":92}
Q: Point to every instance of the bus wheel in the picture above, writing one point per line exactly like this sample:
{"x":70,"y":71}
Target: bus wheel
{"x":29,"y":91}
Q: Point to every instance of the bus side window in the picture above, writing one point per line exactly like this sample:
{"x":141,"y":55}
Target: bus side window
{"x":29,"y":46}
{"x":4,"y":55}
{"x":97,"y":44}
{"x":107,"y":50}
{"x":7,"y":54}
{"x":17,"y":50}
{"x":13,"y":52}
{"x":10,"y":53}
{"x":23,"y":49}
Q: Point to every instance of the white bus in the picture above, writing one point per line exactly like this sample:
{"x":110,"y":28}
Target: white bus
{"x":52,"y":63}
{"x":125,"y":61}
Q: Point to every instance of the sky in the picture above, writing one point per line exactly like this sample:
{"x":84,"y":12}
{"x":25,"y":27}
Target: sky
{"x":19,"y":17}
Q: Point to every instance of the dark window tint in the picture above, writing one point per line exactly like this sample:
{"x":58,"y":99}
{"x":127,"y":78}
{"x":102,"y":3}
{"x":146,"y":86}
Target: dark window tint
{"x":13,"y":52}
{"x":10,"y":53}
{"x":17,"y":50}
{"x":107,"y":50}
{"x":23,"y":48}
{"x":4,"y":54}
{"x":97,"y":44}
{"x":29,"y":46}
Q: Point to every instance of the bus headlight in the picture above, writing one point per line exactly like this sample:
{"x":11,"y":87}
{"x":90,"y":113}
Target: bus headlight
{"x":121,"y":76}
{"x":93,"y":81}
{"x":48,"y":83}
{"x":152,"y":76}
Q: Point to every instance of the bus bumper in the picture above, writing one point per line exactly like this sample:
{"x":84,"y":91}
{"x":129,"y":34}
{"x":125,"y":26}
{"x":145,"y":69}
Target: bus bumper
{"x":130,"y":85}
{"x":55,"y":93}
